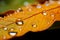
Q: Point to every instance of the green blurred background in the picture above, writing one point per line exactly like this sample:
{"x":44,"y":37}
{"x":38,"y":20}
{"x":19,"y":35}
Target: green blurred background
{"x":15,"y":4}
{"x":12,"y":4}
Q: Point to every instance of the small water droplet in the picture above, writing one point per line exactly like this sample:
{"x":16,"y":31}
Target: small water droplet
{"x":11,"y":29}
{"x":19,"y":22}
{"x":47,"y":3}
{"x":20,"y":29}
{"x":30,"y":9}
{"x":52,"y":15}
{"x":39,"y":6}
{"x":5,"y":28}
{"x":44,"y":13}
{"x":19,"y":10}
{"x":10,"y":15}
{"x":12,"y":33}
{"x":34,"y":25}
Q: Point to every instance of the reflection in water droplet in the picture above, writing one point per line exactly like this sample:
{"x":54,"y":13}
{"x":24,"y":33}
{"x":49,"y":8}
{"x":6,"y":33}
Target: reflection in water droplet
{"x":30,"y":9}
{"x":47,"y":3}
{"x":52,"y":15}
{"x":39,"y":6}
{"x":19,"y":22}
{"x":11,"y":29}
{"x":44,"y":13}
{"x":19,"y":10}
{"x":5,"y":28}
{"x":12,"y":33}
{"x":34,"y":25}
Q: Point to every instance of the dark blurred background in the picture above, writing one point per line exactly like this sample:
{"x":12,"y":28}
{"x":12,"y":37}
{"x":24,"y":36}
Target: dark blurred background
{"x":6,"y":5}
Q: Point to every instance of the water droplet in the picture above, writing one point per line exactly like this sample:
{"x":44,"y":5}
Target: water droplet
{"x":30,"y":9}
{"x":34,"y":25}
{"x":52,"y":15}
{"x":20,"y":29}
{"x":19,"y":22}
{"x":12,"y":33}
{"x":11,"y":29}
{"x":5,"y":28}
{"x":47,"y":3}
{"x":10,"y":15}
{"x":19,"y":10}
{"x":44,"y":13}
{"x":39,"y":6}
